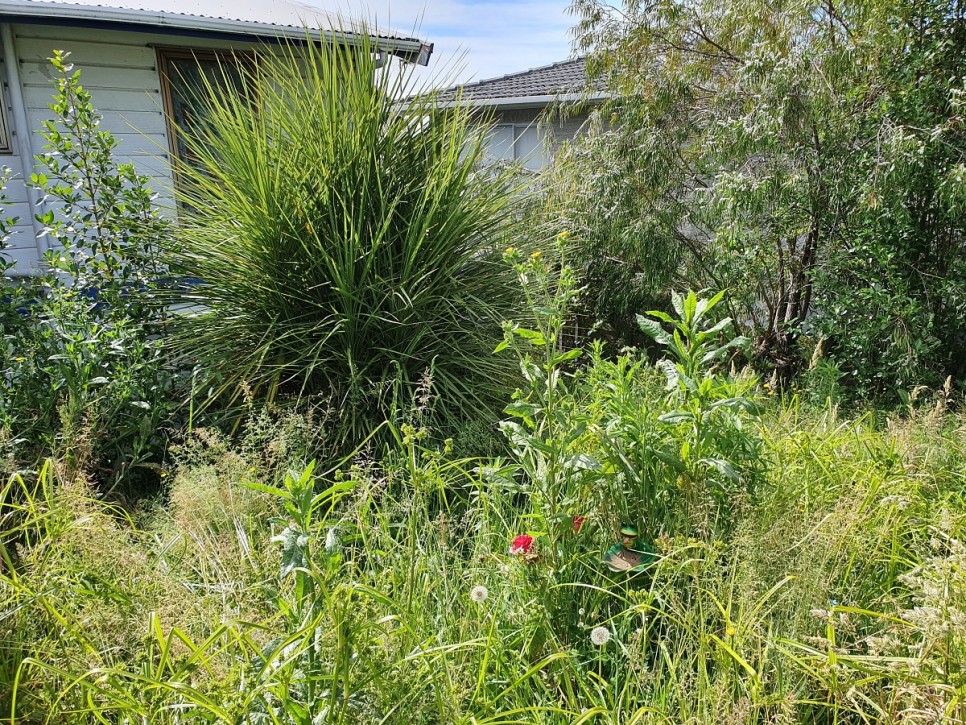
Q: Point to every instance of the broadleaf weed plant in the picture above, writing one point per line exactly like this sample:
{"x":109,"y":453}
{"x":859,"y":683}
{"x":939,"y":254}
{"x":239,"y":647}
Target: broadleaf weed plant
{"x":546,"y":427}
{"x":718,"y":453}
{"x":86,"y":377}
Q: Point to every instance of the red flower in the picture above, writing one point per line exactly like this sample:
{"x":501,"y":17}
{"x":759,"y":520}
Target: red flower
{"x":522,"y":545}
{"x":578,"y":522}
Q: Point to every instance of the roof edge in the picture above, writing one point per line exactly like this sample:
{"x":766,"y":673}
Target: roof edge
{"x":526,"y":101}
{"x":411,"y":50}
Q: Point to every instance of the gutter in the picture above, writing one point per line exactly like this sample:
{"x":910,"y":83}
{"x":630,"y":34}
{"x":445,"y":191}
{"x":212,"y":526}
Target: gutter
{"x":409,"y":49}
{"x":525,"y":101}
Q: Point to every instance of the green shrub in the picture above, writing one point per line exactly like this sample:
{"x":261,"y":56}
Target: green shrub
{"x":344,"y":241}
{"x":84,"y":377}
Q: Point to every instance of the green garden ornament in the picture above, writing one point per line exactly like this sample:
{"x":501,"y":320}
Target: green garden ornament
{"x":629,"y":555}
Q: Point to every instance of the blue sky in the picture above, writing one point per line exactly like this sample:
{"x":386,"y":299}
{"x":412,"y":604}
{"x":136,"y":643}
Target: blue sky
{"x":485,"y":38}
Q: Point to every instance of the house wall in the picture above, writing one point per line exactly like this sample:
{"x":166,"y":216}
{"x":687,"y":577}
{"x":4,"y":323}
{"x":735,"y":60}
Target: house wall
{"x":120,"y":70}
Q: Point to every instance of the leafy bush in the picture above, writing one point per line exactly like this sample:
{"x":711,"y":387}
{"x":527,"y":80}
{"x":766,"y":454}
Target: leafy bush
{"x":708,"y":411}
{"x":686,"y":456}
{"x":344,"y":242}
{"x":812,"y":164}
{"x":84,"y":375}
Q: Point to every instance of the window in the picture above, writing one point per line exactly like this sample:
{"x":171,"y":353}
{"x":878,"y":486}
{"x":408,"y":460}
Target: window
{"x":186,"y":76}
{"x":517,"y":142}
{"x":5,"y":147}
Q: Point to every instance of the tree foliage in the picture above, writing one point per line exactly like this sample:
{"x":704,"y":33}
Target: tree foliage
{"x":82,"y":372}
{"x":806,"y":154}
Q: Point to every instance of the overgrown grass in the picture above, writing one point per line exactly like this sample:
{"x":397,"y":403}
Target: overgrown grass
{"x":835,"y":595}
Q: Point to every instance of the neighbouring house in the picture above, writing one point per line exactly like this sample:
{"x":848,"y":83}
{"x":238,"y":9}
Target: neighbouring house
{"x":139,"y":61}
{"x":532,"y":112}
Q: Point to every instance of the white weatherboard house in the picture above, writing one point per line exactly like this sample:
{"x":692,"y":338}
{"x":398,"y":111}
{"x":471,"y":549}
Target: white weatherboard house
{"x":138,"y":60}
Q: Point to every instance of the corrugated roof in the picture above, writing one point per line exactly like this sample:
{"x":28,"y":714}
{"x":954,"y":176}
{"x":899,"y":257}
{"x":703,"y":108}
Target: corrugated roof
{"x":258,"y":18}
{"x":566,"y":78}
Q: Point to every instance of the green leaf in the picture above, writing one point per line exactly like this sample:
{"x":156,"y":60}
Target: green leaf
{"x":661,"y":316}
{"x":583,"y":462}
{"x":670,"y":371}
{"x":670,"y":459}
{"x":533,"y":336}
{"x":521,"y":409}
{"x":717,"y":353}
{"x":653,"y":330}
{"x":565,"y":357}
{"x":676,"y":416}
{"x":678,"y":304}
{"x":725,"y":467}
{"x":705,"y":305}
{"x":293,"y":550}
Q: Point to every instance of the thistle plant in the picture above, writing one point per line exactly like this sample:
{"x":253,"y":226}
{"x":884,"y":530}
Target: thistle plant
{"x":546,"y":425}
{"x":714,"y":452}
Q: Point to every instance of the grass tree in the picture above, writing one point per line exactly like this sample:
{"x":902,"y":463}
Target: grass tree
{"x":344,"y":240}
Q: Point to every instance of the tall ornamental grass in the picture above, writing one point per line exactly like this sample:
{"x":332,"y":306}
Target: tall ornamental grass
{"x":343,"y":238}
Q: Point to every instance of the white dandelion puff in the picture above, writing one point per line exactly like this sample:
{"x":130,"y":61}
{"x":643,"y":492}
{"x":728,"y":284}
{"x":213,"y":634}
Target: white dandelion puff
{"x":479,"y":593}
{"x":600,"y":636}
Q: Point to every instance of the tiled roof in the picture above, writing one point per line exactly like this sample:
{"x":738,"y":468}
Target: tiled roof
{"x":566,"y":77}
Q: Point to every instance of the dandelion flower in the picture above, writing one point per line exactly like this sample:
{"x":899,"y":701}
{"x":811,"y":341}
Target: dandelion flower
{"x":479,"y":593}
{"x":600,"y":636}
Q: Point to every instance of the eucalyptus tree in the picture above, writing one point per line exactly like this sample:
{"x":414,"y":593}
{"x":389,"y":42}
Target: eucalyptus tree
{"x":806,"y":154}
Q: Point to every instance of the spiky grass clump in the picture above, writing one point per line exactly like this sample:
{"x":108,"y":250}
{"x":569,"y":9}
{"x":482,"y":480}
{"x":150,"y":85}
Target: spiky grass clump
{"x":345,"y":239}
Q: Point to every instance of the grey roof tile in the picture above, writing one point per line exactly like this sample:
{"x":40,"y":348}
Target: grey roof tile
{"x":567,"y":76}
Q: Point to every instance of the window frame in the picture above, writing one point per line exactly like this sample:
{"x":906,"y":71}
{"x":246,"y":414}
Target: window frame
{"x":6,"y":135}
{"x":517,"y":130}
{"x":166,"y":53}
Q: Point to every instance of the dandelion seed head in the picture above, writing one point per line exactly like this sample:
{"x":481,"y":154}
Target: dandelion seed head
{"x":479,"y":593}
{"x":600,"y":636}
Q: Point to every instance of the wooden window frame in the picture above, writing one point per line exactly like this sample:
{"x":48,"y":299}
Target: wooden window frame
{"x":6,"y":137}
{"x":166,"y":53}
